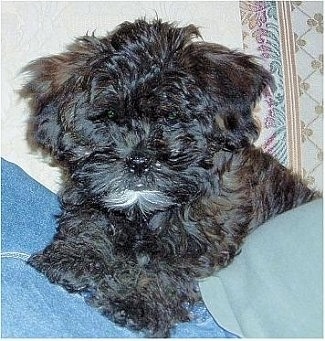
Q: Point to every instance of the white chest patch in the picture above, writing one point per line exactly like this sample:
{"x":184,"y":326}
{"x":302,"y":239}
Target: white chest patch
{"x":146,"y":200}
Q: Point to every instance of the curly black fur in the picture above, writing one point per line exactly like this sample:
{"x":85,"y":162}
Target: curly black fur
{"x":155,"y":132}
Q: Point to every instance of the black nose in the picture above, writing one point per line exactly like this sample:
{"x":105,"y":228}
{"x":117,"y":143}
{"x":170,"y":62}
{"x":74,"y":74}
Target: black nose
{"x":138,"y":163}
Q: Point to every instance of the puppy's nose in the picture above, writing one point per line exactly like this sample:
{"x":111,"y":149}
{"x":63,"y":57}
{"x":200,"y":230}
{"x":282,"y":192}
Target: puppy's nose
{"x":138,"y":163}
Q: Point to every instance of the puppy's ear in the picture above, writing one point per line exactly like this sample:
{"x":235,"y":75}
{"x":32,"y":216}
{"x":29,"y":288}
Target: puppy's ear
{"x":238,"y":76}
{"x":52,"y":88}
{"x":235,"y":81}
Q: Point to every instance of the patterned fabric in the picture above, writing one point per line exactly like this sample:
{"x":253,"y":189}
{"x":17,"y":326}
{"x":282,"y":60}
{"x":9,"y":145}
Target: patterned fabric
{"x":288,"y":37}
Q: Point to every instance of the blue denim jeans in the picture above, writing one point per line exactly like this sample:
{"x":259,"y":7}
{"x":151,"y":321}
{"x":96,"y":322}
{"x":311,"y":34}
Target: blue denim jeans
{"x":33,"y":307}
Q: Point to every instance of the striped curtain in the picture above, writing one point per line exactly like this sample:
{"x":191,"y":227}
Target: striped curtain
{"x":288,"y":37}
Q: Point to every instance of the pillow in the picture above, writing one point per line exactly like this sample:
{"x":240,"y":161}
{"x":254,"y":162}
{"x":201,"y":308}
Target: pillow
{"x":274,"y":287}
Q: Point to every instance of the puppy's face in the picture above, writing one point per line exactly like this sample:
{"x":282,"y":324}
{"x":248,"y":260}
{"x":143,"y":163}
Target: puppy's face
{"x":138,"y":116}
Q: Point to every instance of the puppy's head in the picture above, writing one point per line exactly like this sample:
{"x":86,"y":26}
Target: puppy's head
{"x":137,"y":116}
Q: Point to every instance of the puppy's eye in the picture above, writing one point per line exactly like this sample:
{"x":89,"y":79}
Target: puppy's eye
{"x":110,"y":114}
{"x":103,"y":116}
{"x":173,"y":116}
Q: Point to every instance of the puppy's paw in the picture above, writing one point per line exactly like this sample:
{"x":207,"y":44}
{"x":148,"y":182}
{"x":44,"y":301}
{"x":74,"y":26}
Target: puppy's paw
{"x":45,"y":265}
{"x":61,"y":270}
{"x":36,"y":261}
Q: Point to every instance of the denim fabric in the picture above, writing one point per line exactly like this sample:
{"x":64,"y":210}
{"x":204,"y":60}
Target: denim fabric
{"x":31,"y":306}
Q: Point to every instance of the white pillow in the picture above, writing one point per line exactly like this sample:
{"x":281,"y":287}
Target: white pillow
{"x":274,"y":288}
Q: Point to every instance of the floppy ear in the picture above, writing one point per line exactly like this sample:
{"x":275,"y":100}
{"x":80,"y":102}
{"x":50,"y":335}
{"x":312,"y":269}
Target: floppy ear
{"x":52,"y":89}
{"x":235,"y":82}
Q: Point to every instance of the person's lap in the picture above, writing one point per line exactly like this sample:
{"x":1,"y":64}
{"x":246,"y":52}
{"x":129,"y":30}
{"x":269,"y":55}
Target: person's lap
{"x":33,"y":307}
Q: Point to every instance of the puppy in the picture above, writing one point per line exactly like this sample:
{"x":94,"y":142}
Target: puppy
{"x":154,"y":131}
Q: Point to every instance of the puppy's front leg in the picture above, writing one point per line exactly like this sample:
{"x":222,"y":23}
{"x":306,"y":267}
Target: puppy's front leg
{"x":80,"y":251}
{"x":151,"y":300}
{"x":84,"y":257}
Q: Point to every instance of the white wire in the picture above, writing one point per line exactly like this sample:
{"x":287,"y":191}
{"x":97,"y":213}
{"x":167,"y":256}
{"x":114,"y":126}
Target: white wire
{"x":17,"y":255}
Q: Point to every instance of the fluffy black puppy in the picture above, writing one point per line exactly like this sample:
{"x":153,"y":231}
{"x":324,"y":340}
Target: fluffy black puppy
{"x":155,"y":133}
